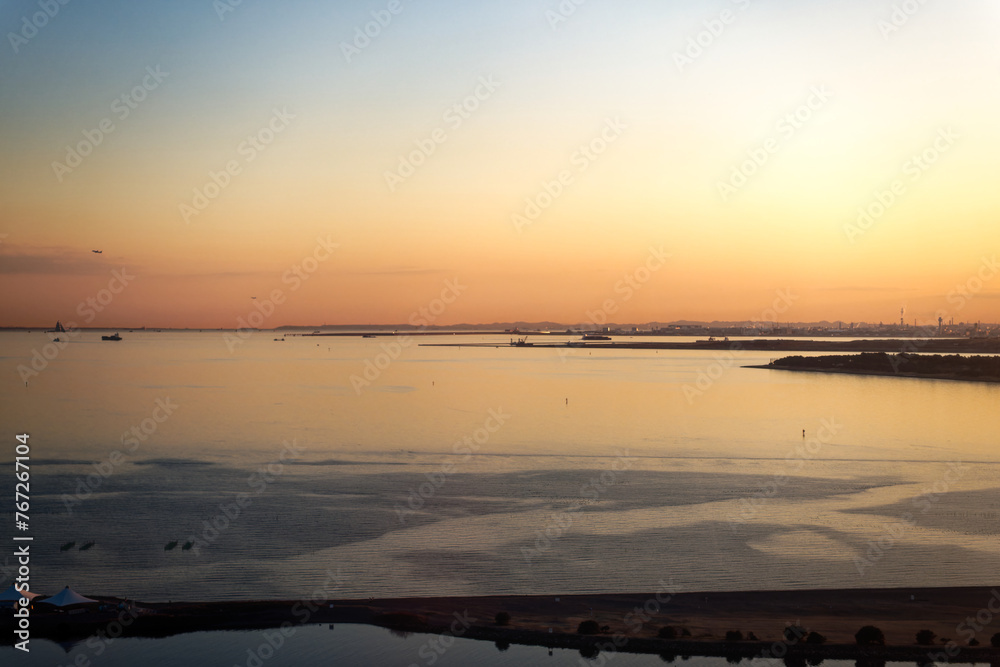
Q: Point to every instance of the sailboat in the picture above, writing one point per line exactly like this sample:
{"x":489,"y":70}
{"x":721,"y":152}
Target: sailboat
{"x":59,"y":328}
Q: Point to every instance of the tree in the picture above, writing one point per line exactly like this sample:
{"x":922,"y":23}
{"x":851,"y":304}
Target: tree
{"x":588,"y":628}
{"x":869,"y":635}
{"x":925,"y":637}
{"x":502,"y":618}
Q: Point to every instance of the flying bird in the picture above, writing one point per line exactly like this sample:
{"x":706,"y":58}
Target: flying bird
{"x":97,"y":251}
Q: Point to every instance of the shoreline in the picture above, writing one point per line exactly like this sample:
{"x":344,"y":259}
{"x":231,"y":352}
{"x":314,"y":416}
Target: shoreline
{"x":896,"y":345}
{"x":977,"y":368}
{"x":630,"y":622}
{"x":849,"y":371}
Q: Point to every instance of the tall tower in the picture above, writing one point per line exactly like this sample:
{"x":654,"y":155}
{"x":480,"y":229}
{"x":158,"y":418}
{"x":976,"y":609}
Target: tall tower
{"x":902,"y":312}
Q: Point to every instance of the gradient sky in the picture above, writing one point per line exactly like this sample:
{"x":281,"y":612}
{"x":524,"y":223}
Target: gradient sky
{"x":656,"y":185}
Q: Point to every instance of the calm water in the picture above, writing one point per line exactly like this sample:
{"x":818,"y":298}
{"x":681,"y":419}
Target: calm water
{"x":605,"y":474}
{"x":356,"y":646}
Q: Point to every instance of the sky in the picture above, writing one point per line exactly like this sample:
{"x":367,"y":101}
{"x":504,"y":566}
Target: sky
{"x":636,"y":161}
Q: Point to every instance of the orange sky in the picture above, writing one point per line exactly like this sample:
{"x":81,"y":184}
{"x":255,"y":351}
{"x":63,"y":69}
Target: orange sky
{"x":592,"y":121}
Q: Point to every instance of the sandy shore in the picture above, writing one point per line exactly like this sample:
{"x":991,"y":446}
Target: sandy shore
{"x":630,"y":622}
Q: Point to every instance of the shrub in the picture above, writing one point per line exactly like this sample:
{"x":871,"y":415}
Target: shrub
{"x":502,"y":618}
{"x":752,"y":637}
{"x":734,"y":636}
{"x":588,"y":628}
{"x":667,"y":632}
{"x":925,"y":637}
{"x":973,"y":642}
{"x":794,"y":633}
{"x":995,"y":640}
{"x":815,"y":638}
{"x":869,"y":635}
{"x":502,"y":645}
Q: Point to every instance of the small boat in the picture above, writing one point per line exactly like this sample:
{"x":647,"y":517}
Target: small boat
{"x":595,"y":337}
{"x":368,"y":336}
{"x":521,"y":342}
{"x":114,"y":337}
